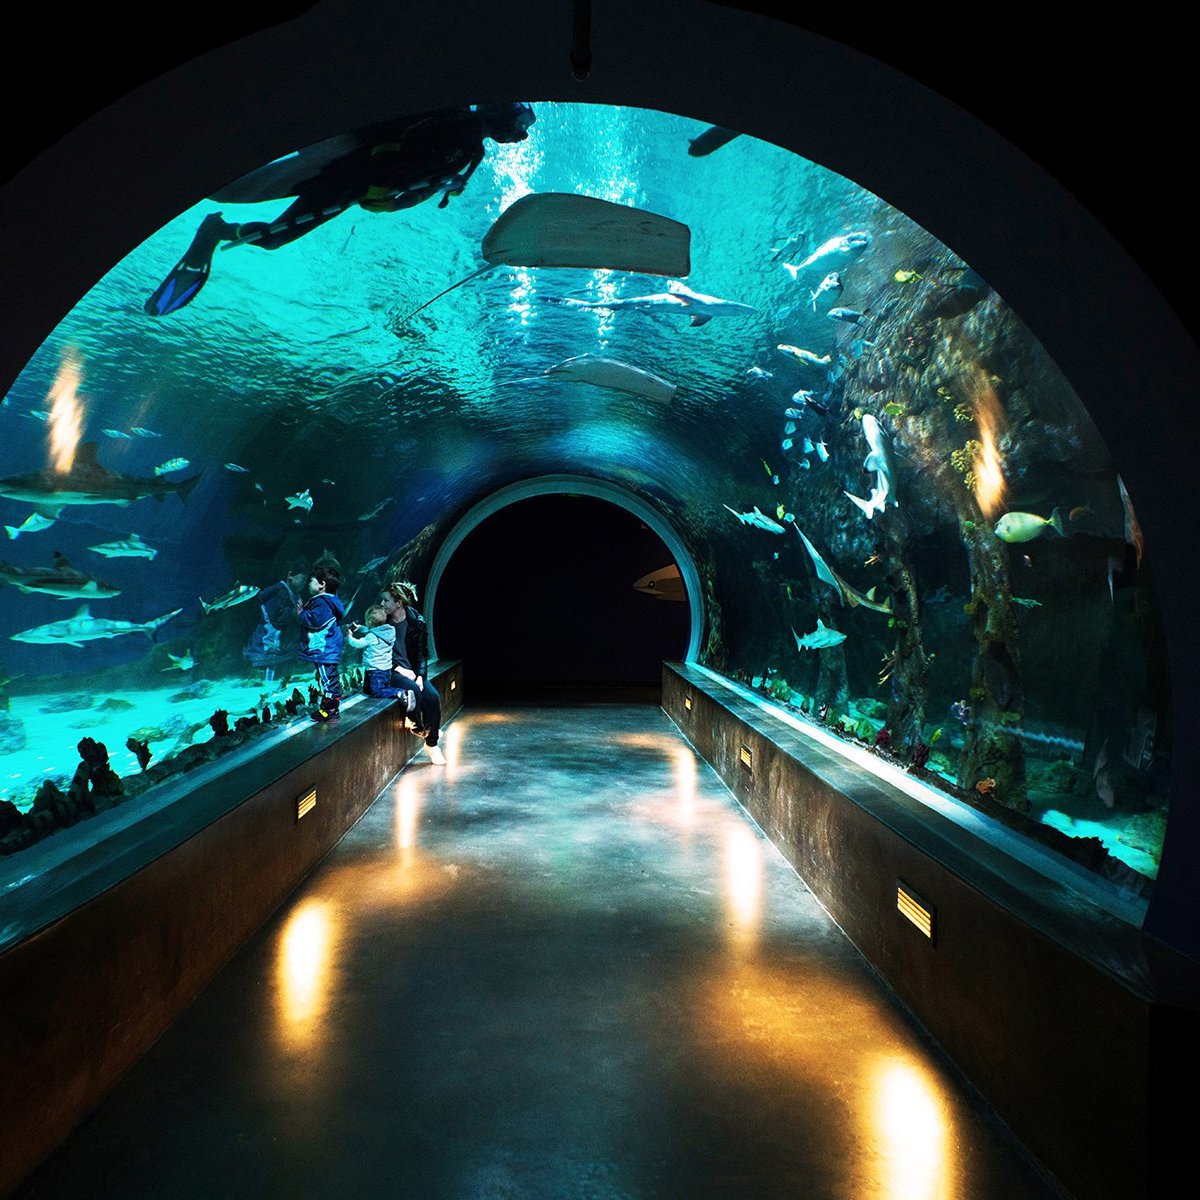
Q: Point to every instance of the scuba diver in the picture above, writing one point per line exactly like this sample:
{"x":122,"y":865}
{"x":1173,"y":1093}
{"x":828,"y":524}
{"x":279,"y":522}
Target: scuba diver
{"x":383,"y":168}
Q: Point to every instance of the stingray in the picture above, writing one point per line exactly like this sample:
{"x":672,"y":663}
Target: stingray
{"x":559,"y":229}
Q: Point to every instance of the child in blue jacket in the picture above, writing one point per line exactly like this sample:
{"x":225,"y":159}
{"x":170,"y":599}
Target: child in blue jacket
{"x":321,"y":638}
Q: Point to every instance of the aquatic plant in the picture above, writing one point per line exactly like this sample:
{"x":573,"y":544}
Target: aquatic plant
{"x":963,"y":461}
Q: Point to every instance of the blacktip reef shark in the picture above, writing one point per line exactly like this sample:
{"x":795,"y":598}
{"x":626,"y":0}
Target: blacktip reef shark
{"x":821,"y":638}
{"x":87,"y":482}
{"x":83,"y":627}
{"x":61,"y":580}
{"x":678,"y":298}
{"x":847,"y":594}
{"x":130,"y":547}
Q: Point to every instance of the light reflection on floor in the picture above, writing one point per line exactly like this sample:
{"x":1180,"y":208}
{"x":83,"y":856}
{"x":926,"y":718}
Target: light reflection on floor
{"x":567,"y":964}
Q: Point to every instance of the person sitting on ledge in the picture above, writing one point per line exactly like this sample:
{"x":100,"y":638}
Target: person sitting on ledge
{"x":410,"y":659}
{"x":376,"y":640}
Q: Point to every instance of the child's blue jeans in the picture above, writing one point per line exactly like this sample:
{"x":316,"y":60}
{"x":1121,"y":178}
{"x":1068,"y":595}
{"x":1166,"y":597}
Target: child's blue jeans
{"x":379,"y":683}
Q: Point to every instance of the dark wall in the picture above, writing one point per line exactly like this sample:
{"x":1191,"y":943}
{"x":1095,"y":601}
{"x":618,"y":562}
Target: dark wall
{"x":542,"y":593}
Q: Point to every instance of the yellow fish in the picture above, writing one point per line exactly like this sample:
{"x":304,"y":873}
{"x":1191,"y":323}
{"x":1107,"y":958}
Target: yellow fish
{"x":1024,"y":527}
{"x":907,"y":276}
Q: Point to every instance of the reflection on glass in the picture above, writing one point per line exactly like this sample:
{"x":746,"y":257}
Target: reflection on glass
{"x":836,"y":333}
{"x":910,"y":1132}
{"x":302,"y":974}
{"x":743,"y":883}
{"x":66,"y":415}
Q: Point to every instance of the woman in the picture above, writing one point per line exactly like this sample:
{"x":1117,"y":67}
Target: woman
{"x":410,"y":661}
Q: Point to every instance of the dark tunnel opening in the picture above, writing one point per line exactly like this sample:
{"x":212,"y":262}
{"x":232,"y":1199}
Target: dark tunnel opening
{"x":540,"y":598}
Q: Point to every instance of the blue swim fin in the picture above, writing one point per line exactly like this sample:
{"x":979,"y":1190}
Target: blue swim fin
{"x":189,"y":274}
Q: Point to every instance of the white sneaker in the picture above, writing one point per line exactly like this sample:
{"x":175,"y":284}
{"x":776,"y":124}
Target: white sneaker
{"x":436,"y":756}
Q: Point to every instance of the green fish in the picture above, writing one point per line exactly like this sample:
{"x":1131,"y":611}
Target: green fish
{"x":1024,"y":527}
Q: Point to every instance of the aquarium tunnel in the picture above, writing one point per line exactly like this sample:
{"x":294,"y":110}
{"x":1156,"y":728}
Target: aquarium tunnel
{"x":891,"y":516}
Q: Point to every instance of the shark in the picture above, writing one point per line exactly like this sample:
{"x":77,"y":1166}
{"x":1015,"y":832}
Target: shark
{"x":876,"y":502}
{"x":87,"y":482}
{"x":758,"y":519}
{"x":846,"y":593}
{"x":370,"y":516}
{"x":34,"y":523}
{"x":61,"y":580}
{"x":238,"y":594}
{"x":847,"y":248}
{"x":130,"y":547}
{"x":83,"y":627}
{"x":880,"y":459}
{"x":180,"y":662}
{"x":821,"y":638}
{"x":615,"y":374}
{"x":678,"y":298}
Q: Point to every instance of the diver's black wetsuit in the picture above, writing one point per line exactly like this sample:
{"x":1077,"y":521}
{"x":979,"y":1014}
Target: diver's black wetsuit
{"x":401,"y":164}
{"x":393,"y":165}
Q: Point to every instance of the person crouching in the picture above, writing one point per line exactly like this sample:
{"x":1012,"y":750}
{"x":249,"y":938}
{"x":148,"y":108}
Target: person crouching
{"x":321,"y":638}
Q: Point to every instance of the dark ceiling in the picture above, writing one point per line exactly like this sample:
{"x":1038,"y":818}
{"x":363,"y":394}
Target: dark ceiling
{"x":1101,"y":106}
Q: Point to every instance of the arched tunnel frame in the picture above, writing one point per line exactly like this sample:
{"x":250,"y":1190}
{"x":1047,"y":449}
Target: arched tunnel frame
{"x":344,"y":64}
{"x":571,"y":485}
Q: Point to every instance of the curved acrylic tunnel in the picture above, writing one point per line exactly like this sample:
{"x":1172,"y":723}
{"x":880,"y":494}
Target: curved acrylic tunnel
{"x":368,"y":434}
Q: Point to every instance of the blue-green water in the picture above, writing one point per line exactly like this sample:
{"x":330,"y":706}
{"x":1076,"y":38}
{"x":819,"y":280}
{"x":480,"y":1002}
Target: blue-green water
{"x":1036,"y":664}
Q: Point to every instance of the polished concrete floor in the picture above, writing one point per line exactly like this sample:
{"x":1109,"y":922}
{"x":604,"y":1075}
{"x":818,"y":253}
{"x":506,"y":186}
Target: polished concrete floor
{"x":565,"y":965}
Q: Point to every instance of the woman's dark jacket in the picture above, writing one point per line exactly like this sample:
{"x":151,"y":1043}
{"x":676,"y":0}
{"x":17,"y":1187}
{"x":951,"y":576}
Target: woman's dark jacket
{"x":416,"y":643}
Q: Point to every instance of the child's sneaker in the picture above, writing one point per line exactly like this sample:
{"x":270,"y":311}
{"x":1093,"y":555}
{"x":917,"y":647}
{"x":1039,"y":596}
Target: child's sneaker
{"x":436,"y":756}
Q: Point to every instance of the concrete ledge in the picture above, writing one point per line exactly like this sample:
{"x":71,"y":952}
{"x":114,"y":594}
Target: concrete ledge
{"x":1055,"y":1009}
{"x":91,"y":990}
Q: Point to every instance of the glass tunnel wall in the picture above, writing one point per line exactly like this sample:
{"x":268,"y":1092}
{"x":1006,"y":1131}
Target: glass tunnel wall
{"x":906,"y":524}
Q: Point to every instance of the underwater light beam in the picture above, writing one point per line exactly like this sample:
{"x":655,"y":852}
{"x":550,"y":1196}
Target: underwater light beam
{"x":66,"y":415}
{"x":986,"y":467}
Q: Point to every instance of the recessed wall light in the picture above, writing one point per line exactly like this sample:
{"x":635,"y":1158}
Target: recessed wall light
{"x":914,"y":909}
{"x":306,"y":804}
